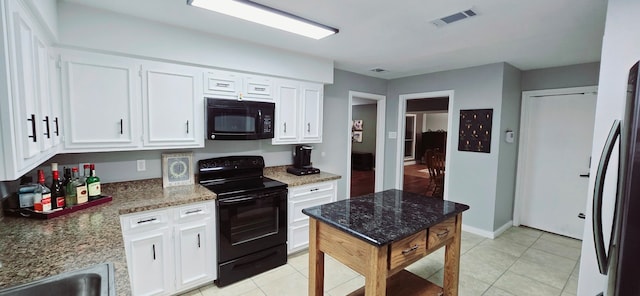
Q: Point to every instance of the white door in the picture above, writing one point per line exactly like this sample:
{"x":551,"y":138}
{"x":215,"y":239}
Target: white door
{"x":559,"y":133}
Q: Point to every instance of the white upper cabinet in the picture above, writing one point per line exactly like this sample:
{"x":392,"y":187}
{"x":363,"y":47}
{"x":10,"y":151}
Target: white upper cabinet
{"x":298,"y":112}
{"x":286,"y":130}
{"x":237,"y":86}
{"x":27,"y":105}
{"x":100,"y":99}
{"x":55,"y":92}
{"x":173,"y":105}
{"x":312,"y":98}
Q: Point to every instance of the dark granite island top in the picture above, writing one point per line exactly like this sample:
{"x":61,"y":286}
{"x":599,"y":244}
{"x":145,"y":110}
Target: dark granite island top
{"x":384,"y":217}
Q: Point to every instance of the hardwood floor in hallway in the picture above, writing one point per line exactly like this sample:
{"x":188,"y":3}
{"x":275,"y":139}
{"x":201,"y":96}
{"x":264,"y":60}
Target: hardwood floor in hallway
{"x":415,"y":180}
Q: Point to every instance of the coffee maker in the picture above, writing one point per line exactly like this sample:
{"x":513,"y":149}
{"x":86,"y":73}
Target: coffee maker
{"x":302,"y":161}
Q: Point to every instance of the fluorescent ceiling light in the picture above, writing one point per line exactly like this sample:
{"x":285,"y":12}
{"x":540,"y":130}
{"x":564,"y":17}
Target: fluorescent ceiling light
{"x":264,"y":15}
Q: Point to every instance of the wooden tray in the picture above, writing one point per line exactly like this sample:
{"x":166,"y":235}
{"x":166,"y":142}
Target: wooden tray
{"x":29,"y":213}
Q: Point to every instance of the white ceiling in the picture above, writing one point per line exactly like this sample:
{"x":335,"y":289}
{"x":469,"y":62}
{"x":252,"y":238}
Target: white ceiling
{"x":398,"y":36}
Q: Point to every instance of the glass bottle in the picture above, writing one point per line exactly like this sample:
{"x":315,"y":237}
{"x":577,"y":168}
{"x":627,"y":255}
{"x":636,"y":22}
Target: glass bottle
{"x":26,"y":192}
{"x":81,"y":187}
{"x":57,"y":190}
{"x":42,"y":197}
{"x":93,"y":184}
{"x":71,"y":196}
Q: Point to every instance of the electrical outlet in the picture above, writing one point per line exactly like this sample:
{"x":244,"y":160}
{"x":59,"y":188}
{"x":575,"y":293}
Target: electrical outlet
{"x":142,"y":165}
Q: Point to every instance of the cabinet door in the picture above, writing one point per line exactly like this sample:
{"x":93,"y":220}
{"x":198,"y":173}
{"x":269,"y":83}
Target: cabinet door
{"x":221,"y":83}
{"x":194,"y":253}
{"x":312,"y":95}
{"x":27,"y":115}
{"x":150,"y":262}
{"x":301,"y":197}
{"x":43,"y":91}
{"x":286,"y":127}
{"x":55,"y":98}
{"x":258,"y":88}
{"x":173,"y":106}
{"x":100,"y":97}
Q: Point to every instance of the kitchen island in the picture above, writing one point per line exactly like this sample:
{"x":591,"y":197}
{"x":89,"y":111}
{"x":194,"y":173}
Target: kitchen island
{"x":379,"y":234}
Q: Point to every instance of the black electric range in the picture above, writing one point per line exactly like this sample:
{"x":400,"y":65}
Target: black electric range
{"x":251,"y":213}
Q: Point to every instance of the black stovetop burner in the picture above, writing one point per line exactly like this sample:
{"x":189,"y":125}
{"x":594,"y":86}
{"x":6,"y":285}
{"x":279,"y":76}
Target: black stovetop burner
{"x":234,"y":175}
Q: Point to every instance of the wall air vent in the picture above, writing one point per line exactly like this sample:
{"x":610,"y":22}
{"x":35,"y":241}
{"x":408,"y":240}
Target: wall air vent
{"x":378,"y":70}
{"x":455,"y":17}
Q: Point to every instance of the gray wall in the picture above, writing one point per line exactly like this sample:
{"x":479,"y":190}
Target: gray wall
{"x":472,"y":176}
{"x":561,"y":77}
{"x":337,"y":124}
{"x":507,"y":152}
{"x":368,"y":115}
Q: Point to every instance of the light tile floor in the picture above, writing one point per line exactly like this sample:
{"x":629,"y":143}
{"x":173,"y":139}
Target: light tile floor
{"x":520,"y":262}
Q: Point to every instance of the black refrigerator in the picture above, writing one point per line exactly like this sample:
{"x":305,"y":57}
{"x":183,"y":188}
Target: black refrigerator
{"x":619,"y":258}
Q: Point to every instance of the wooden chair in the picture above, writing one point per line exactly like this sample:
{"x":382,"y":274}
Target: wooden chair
{"x":435,"y":161}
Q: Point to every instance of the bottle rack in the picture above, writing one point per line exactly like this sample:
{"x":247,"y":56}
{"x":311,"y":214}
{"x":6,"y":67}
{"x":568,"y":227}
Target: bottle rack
{"x":30,"y":213}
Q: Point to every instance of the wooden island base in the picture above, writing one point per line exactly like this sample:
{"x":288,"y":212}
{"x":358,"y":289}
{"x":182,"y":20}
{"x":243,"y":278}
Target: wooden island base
{"x":406,"y":283}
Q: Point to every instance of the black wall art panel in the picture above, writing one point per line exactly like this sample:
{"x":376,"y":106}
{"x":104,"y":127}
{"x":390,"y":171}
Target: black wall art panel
{"x":475,"y":130}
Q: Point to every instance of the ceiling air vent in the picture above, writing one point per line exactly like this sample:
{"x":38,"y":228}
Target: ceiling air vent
{"x":455,"y":17}
{"x":378,"y":70}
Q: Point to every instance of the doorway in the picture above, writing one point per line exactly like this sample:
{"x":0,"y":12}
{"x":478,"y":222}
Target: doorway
{"x":424,"y":124}
{"x":365,"y":146}
{"x":554,"y":159}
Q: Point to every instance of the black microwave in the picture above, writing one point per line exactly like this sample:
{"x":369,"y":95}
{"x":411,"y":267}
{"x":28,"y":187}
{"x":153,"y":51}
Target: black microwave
{"x":239,"y":120}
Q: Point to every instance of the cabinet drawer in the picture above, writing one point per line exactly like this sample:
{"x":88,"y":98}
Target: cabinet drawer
{"x":256,"y":87}
{"x":441,"y":232}
{"x":311,"y":189}
{"x":296,"y":207}
{"x":408,"y":250}
{"x":221,"y":83}
{"x":194,"y":211}
{"x":147,"y":220}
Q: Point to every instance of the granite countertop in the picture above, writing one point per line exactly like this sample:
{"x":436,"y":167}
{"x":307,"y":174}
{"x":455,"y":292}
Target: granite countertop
{"x":33,"y":249}
{"x":384,"y":217}
{"x":279,"y":173}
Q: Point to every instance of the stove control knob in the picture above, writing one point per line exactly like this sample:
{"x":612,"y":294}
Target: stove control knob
{"x":213,"y":137}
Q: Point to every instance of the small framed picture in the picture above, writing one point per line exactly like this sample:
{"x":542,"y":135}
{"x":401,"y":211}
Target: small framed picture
{"x":357,"y":125}
{"x":177,"y":169}
{"x":356,"y":137}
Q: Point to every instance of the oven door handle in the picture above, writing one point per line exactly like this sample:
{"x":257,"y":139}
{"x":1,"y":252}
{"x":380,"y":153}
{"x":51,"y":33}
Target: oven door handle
{"x":239,"y":199}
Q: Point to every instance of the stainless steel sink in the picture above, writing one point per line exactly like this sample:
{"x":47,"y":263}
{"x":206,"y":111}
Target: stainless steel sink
{"x":97,"y":280}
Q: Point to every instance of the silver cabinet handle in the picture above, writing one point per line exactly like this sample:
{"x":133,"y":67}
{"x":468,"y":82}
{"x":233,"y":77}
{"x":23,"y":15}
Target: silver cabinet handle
{"x":409,"y":250}
{"x":260,"y":89}
{"x":187,"y":126}
{"x":153,"y":248}
{"x":222,"y":84}
{"x":121,"y":126}
{"x":198,"y":241}
{"x":147,"y":220}
{"x":193,"y":211}
{"x":308,"y":127}
{"x":285,"y":127}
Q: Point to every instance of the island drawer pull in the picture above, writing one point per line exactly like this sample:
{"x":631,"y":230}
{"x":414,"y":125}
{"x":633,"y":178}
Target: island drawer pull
{"x":443,"y":234}
{"x":147,"y":220}
{"x":409,"y":250}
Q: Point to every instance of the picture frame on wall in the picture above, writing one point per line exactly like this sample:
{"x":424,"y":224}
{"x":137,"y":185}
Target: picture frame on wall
{"x":356,"y":137}
{"x":357,"y":125}
{"x":177,"y":169}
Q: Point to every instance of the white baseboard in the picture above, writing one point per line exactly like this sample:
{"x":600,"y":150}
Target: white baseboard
{"x":409,"y":162}
{"x":485,"y":233}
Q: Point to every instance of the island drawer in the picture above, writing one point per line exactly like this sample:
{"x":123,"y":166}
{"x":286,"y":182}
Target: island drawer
{"x":441,"y":232}
{"x":407,"y":250}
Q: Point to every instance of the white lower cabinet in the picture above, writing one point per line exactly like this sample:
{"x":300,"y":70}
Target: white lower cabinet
{"x":170,"y":250}
{"x":151,"y":262}
{"x":301,"y":197}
